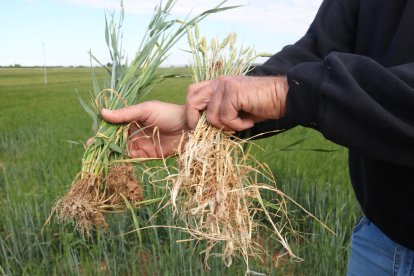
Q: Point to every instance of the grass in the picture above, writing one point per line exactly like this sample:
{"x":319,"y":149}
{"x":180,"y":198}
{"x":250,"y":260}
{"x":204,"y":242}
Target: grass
{"x":37,"y":165}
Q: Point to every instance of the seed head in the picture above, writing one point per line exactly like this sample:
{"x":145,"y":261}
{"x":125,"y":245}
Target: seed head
{"x":233,"y":40}
{"x":196,"y":31}
{"x":190,"y":38}
{"x":226,"y":41}
{"x":202,"y":46}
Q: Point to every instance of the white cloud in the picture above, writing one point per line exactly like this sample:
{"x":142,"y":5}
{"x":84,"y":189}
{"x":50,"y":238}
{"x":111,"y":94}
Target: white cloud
{"x":290,"y":17}
{"x":266,"y":25}
{"x":278,"y":17}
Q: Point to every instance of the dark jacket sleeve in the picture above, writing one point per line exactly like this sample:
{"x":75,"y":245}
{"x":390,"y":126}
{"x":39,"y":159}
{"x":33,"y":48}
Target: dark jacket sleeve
{"x":351,"y":99}
{"x":326,"y":34}
{"x":354,"y":101}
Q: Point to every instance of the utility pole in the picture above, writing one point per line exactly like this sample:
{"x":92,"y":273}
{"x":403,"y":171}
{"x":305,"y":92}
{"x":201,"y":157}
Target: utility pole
{"x":44,"y":64}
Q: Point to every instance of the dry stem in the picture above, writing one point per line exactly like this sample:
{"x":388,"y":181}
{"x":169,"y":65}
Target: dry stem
{"x":217,"y":195}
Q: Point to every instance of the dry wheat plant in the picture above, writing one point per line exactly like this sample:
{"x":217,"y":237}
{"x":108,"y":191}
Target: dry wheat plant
{"x":106,"y":182}
{"x":216,"y":192}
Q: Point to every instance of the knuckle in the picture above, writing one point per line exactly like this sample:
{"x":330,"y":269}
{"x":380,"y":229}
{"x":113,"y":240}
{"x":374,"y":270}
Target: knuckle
{"x":191,"y":89}
{"x":222,"y":78}
{"x":189,"y":100}
{"x":213,"y":119}
{"x":226,"y":120}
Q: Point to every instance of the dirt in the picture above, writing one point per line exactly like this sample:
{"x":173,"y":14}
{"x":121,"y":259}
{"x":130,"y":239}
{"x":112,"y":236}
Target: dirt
{"x":90,"y":197}
{"x":121,"y":180}
{"x":78,"y":205}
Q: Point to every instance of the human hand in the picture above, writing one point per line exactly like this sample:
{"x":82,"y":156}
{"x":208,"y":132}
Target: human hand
{"x":169,"y":119}
{"x":237,"y":102}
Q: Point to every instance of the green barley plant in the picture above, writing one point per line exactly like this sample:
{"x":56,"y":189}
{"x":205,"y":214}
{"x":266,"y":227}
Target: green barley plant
{"x":106,"y":182}
{"x":216,"y":192}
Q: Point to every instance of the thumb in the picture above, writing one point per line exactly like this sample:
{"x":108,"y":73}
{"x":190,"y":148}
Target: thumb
{"x":123,"y":115}
{"x":193,"y":115}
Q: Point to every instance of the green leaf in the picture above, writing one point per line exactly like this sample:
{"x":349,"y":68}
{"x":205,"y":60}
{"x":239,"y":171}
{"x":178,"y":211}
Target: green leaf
{"x":138,"y":131}
{"x":186,"y":51}
{"x":87,"y":108}
{"x":106,"y":31}
{"x":115,"y":148}
{"x":216,"y":10}
{"x":106,"y":164}
{"x":97,"y":142}
{"x":292,"y":144}
{"x":173,"y":76}
{"x":95,"y":126}
{"x":134,"y":218}
{"x":312,"y":149}
{"x":97,"y":61}
{"x":270,"y":205}
{"x":73,"y":142}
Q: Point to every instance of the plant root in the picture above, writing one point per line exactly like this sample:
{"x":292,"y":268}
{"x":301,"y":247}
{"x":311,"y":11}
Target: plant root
{"x":91,"y":197}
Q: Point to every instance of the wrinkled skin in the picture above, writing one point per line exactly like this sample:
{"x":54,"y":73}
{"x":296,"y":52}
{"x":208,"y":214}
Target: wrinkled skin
{"x":231,"y":103}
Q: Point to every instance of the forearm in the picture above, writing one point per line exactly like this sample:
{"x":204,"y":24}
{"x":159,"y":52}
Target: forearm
{"x":332,"y":30}
{"x":355,"y":102}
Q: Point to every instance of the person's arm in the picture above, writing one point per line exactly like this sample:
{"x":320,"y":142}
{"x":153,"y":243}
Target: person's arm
{"x":354,"y":101}
{"x":333,"y":29}
{"x":351,"y":99}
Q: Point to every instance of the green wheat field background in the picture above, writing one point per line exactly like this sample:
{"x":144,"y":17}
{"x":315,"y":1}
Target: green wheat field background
{"x":37,"y":165}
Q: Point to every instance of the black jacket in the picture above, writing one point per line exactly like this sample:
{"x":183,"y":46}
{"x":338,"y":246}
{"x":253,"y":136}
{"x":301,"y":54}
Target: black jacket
{"x":351,"y":77}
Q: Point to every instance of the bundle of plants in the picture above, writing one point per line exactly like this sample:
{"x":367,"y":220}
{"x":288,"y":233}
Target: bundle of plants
{"x":217,"y":193}
{"x":106,"y":182}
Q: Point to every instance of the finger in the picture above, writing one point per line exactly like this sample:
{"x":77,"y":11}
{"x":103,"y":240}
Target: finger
{"x":198,"y":96}
{"x":196,"y":86}
{"x":142,"y":147}
{"x":230,"y":117}
{"x":140,"y":144}
{"x":193,"y":115}
{"x":126,"y":114}
{"x":89,"y":141}
{"x":223,"y":109}
{"x":131,"y":139}
{"x":139,"y":153}
{"x":213,"y":109}
{"x":238,"y":124}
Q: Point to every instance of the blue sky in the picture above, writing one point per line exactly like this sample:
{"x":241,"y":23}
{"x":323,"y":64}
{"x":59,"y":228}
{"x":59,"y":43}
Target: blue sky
{"x":69,"y":28}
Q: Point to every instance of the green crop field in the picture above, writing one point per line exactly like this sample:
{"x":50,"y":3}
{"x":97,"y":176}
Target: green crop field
{"x":37,"y":165}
